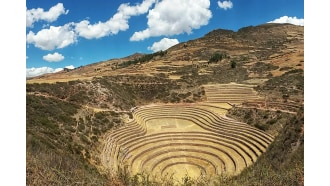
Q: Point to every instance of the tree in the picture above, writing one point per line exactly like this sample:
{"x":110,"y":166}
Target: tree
{"x":217,"y":57}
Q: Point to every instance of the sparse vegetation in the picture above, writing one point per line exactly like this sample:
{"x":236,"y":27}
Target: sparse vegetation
{"x":283,"y":163}
{"x":143,"y":59}
{"x":270,"y":121}
{"x":216,"y":57}
{"x":70,"y":124}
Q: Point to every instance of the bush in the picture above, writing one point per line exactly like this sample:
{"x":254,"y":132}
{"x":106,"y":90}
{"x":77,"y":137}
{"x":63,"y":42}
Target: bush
{"x":233,"y":64}
{"x":216,"y":57}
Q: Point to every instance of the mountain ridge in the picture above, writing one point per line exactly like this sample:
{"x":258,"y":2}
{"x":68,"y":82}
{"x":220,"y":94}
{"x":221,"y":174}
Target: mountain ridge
{"x":260,"y":42}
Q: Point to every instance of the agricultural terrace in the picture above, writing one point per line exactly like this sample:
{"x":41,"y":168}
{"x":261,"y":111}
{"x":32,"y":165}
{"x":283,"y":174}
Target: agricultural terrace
{"x":187,"y":139}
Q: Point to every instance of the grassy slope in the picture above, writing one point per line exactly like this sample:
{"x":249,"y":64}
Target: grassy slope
{"x":55,"y":147}
{"x":62,"y":134}
{"x":283,"y":163}
{"x":52,"y":157}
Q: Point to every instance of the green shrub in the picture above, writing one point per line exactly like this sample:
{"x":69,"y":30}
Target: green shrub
{"x":233,"y":64}
{"x":216,"y":57}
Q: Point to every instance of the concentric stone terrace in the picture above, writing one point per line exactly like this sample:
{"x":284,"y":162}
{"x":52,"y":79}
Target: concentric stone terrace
{"x":180,"y":139}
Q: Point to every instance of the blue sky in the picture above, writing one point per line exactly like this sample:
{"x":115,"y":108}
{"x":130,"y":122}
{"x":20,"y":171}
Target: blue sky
{"x":69,"y":34}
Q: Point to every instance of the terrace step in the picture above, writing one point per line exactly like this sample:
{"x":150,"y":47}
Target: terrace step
{"x":166,"y":139}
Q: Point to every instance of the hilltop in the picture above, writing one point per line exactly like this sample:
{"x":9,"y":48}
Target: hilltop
{"x":234,"y":101}
{"x":270,"y":44}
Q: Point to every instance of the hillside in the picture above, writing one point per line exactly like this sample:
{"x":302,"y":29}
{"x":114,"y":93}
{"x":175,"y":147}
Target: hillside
{"x":97,"y":124}
{"x":279,"y":45}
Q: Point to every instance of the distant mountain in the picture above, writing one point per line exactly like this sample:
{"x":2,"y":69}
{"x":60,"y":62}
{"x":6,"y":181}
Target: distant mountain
{"x":268,"y":42}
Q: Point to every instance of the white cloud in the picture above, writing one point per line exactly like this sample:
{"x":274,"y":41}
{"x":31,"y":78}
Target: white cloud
{"x":59,"y":37}
{"x":171,"y":17}
{"x":51,"y":15}
{"x":98,"y":30}
{"x":69,"y":67}
{"x":52,"y":38}
{"x":225,"y":4}
{"x":163,"y":44}
{"x":118,"y":22}
{"x":57,"y":70}
{"x":32,"y":72}
{"x":142,"y":8}
{"x":291,"y":20}
{"x":56,"y":57}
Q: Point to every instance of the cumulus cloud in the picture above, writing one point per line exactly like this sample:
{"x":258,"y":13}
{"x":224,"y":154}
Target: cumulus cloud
{"x":53,"y":38}
{"x":51,"y":15}
{"x":32,"y":72}
{"x":225,"y":4}
{"x":171,"y":17}
{"x":61,"y":36}
{"x":118,"y":22}
{"x":56,"y":57}
{"x":69,"y":67}
{"x":163,"y":44}
{"x":291,"y":20}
